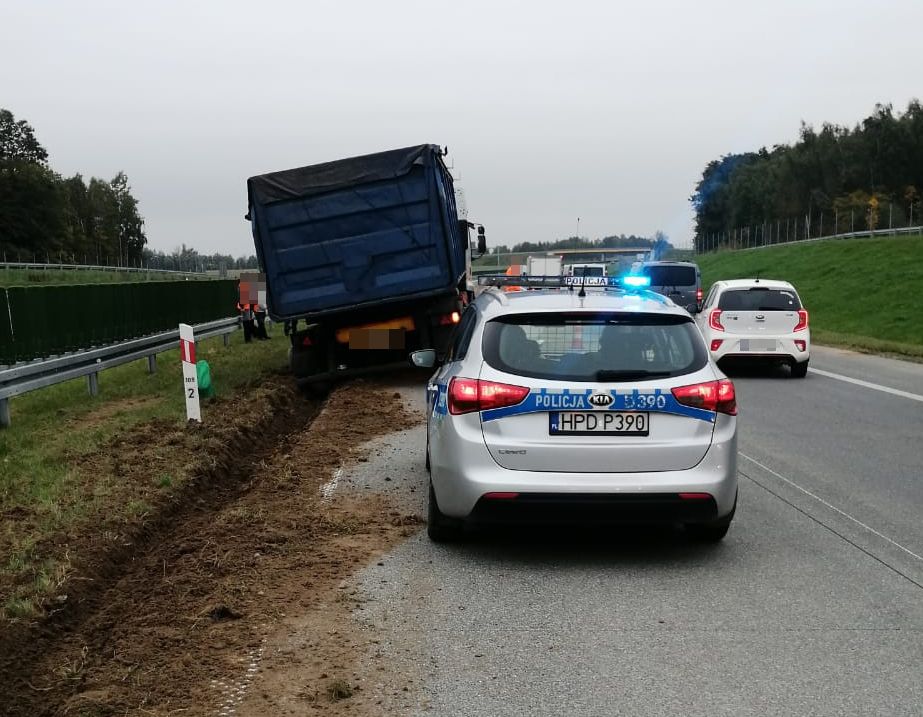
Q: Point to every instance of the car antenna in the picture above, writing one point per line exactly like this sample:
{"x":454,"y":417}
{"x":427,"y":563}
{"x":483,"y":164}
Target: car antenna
{"x":582,"y":292}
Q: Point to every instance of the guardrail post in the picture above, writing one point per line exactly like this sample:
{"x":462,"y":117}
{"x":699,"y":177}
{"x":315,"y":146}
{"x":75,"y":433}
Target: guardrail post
{"x":227,"y":339}
{"x":93,"y":383}
{"x":152,"y":363}
{"x":4,"y":413}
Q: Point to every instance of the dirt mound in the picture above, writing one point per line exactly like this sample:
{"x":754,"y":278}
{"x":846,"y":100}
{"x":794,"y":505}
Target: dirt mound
{"x":171,"y":613}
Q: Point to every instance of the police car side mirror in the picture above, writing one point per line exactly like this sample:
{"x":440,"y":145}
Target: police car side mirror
{"x":424,"y":359}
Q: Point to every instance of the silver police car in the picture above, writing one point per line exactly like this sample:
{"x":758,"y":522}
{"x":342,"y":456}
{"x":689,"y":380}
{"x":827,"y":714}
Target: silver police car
{"x":598,"y":405}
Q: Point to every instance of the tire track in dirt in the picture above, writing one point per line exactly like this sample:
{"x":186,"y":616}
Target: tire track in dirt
{"x":189,"y":603}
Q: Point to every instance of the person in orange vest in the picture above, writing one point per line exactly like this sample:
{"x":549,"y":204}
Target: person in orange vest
{"x":245,"y":307}
{"x":513,"y":270}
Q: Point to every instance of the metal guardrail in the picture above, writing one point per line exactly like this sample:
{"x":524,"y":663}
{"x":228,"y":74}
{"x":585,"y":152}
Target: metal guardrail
{"x":23,"y":378}
{"x":36,"y":266}
{"x":841,"y":235}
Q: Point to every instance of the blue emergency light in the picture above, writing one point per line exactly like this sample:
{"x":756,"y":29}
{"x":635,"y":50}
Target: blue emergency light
{"x":636,"y":281}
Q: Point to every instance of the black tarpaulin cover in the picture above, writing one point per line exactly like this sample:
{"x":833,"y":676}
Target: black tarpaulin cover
{"x":329,"y":176}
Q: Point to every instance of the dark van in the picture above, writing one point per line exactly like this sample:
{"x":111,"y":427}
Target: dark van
{"x":681,"y":281}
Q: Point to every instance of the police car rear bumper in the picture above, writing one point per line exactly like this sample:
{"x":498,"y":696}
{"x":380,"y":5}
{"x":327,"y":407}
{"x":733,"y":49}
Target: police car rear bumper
{"x":596,"y":508}
{"x":465,"y":473}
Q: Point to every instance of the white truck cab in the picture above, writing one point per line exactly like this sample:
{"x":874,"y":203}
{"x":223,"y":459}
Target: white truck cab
{"x":586,"y":270}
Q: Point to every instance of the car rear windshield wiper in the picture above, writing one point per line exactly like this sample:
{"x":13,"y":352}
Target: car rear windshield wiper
{"x":629,"y":375}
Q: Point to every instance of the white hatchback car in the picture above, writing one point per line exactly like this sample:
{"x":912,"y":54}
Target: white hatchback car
{"x":757,"y":319}
{"x":552,"y":406}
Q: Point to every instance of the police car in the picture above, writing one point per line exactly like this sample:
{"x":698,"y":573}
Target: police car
{"x":757,"y":319}
{"x":590,"y":405}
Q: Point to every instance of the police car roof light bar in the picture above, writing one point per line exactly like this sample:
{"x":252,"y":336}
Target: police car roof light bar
{"x":550,"y":282}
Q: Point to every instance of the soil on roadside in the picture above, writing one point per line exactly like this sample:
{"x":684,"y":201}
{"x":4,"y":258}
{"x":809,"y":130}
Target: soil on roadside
{"x":172,"y":613}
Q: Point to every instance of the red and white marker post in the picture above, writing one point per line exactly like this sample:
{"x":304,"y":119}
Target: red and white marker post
{"x":190,"y":375}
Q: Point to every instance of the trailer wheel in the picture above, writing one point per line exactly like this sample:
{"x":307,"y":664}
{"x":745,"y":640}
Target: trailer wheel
{"x":307,"y":361}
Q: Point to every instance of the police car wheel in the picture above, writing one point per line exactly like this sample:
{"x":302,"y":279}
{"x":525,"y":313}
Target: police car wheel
{"x":711,"y":532}
{"x":440,"y":528}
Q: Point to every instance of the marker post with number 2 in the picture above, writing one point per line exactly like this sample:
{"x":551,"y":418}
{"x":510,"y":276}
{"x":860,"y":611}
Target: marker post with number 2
{"x":190,"y":375}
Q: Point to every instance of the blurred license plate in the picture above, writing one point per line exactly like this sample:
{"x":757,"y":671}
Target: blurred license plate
{"x":381,"y":339}
{"x":602,"y":423}
{"x":757,"y":345}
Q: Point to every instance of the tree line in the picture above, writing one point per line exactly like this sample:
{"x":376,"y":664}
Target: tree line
{"x":660,"y":242}
{"x":47,"y":217}
{"x":185,"y":258}
{"x":835,"y":180}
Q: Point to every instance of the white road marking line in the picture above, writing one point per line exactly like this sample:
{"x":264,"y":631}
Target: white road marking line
{"x":831,"y":506}
{"x":868,"y":384}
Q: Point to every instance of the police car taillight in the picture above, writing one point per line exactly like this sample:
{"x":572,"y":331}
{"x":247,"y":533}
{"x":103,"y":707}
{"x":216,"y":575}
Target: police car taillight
{"x":467,"y":395}
{"x":802,"y":320}
{"x":714,"y":320}
{"x":715,"y":396}
{"x":695,"y":496}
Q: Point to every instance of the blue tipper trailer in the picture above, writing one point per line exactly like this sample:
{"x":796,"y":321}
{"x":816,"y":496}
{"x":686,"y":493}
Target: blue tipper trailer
{"x":368,"y":252}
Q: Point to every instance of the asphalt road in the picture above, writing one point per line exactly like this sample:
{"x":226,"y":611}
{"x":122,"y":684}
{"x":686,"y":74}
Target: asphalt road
{"x":813,"y":604}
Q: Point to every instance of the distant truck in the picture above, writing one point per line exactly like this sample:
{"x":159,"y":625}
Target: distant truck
{"x":586,"y":270}
{"x":543,"y":266}
{"x":366,"y":258}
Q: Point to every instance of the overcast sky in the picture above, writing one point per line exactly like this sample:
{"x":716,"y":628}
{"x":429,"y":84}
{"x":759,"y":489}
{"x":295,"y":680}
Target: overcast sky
{"x":551,"y":110}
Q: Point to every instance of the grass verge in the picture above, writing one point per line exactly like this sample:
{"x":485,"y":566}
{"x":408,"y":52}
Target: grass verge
{"x":861,"y":293}
{"x":47,"y":485}
{"x":32,"y":277}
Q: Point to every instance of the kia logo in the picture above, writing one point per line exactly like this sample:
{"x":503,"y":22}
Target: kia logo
{"x":600,"y":399}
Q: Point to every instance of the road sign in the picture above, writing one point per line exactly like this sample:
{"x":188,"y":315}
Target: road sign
{"x":190,"y":376}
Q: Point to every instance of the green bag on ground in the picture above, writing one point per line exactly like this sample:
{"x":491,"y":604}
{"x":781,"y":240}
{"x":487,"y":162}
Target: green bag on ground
{"x":204,"y":372}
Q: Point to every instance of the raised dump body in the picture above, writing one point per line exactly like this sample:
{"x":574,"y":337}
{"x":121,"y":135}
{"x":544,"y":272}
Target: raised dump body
{"x":367,"y":251}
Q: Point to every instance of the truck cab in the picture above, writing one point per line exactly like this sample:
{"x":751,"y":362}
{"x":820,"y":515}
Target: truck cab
{"x":586,"y":270}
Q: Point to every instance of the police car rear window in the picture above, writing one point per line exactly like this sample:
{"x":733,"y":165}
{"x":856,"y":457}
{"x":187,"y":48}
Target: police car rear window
{"x":759,"y":299}
{"x":594,"y":347}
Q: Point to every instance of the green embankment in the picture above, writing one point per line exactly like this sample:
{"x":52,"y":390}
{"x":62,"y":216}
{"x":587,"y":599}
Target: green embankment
{"x":32,"y":277}
{"x":44,"y":488}
{"x":865,"y":294}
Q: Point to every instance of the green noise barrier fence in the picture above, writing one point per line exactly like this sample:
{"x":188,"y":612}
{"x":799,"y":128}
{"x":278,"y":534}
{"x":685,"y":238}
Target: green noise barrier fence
{"x":41,"y":321}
